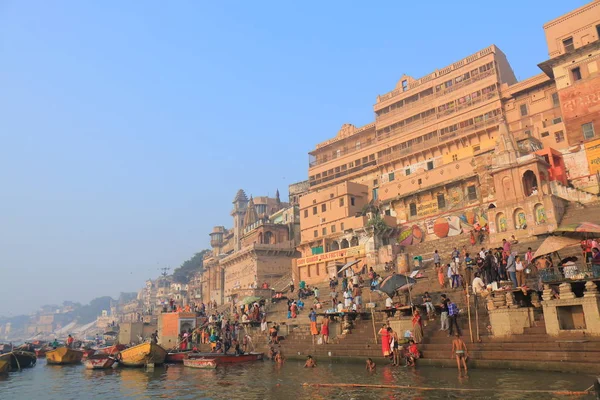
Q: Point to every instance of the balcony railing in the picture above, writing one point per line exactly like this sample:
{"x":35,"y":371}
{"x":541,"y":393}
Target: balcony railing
{"x":412,"y":149}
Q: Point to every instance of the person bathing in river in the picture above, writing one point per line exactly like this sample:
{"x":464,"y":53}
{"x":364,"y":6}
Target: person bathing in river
{"x":460,"y":352}
{"x":310,"y":363}
{"x":371,"y":365}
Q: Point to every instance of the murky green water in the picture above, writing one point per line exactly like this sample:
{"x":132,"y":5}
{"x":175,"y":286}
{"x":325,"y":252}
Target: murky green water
{"x":266,"y":380}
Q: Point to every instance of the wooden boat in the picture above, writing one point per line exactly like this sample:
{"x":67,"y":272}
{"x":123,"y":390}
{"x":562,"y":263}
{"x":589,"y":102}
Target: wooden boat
{"x":111,"y":350}
{"x":177,"y":356}
{"x":142,"y":354}
{"x":19,"y":359}
{"x":99,"y":361}
{"x":87,"y":353}
{"x":4,"y":366}
{"x":40,"y":353}
{"x":64,"y":356}
{"x":202,"y":363}
{"x":221,"y":358}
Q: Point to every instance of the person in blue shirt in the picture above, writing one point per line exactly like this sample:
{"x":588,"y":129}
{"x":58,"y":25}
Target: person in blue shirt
{"x":453,"y":317}
{"x":312,"y":316}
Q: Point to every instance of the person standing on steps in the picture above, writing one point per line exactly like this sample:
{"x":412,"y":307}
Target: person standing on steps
{"x":430,"y":309}
{"x":312,"y":316}
{"x":437,"y":260}
{"x":511,"y":269}
{"x":441,"y":276}
{"x":469,"y":265}
{"x":325,"y":329}
{"x":453,"y":317}
{"x":456,"y":256}
{"x":444,"y":315}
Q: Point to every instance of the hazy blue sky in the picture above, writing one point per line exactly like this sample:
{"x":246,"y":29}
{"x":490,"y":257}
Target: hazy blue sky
{"x":127,"y":127}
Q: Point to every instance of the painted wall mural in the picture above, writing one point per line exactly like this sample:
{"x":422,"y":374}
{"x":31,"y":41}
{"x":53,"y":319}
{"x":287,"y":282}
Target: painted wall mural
{"x":461,"y":222}
{"x":520,"y":219}
{"x":410,"y":234}
{"x":540,"y":214}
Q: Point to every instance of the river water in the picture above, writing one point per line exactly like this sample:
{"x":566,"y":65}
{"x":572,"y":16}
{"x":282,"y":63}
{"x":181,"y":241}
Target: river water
{"x":265,"y":380}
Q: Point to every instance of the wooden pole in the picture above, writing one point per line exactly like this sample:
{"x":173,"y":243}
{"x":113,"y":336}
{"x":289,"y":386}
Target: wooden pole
{"x":477,"y":319}
{"x":374,"y":329}
{"x":469,"y":314}
{"x":447,"y":389}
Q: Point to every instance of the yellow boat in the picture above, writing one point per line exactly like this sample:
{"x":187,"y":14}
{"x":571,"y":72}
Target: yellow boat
{"x":141,"y":355}
{"x":64,"y":356}
{"x":4,"y":366}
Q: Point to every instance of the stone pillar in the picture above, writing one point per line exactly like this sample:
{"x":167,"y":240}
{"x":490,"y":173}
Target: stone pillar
{"x":565,"y":291}
{"x":547,"y":293}
{"x":591,"y":290}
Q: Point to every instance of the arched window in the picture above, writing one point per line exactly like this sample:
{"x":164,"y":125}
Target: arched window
{"x":530,"y":184}
{"x":335,"y":246}
{"x":519,"y":219}
{"x":354,"y":241}
{"x":344,"y":244}
{"x":501,"y":224}
{"x":539,"y":212}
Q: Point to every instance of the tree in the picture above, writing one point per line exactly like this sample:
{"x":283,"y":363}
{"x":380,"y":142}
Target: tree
{"x":184,"y":273}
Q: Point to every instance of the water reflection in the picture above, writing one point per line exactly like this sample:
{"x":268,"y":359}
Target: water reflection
{"x":269,"y":381}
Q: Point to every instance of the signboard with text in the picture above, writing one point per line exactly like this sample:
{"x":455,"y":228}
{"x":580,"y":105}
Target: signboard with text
{"x":592,"y":152}
{"x":332,"y":255}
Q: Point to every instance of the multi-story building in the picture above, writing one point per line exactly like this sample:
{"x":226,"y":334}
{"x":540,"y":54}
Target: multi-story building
{"x":464,"y":147}
{"x":258,"y":248}
{"x":573,"y":43}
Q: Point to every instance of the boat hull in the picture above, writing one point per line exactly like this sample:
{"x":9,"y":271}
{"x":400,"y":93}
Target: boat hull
{"x":40,"y":353}
{"x":200,"y":363}
{"x":227,"y":358}
{"x":142,"y":354}
{"x":64,"y":356}
{"x":19,"y":359}
{"x":111,"y":349}
{"x":177,"y":357}
{"x":99,"y":362}
{"x":4,"y":366}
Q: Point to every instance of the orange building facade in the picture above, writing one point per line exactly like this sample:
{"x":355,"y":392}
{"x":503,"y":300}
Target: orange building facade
{"x":464,"y":147}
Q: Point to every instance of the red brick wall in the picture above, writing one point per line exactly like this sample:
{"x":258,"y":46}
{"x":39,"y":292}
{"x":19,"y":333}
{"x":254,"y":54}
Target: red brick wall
{"x":580,"y":104}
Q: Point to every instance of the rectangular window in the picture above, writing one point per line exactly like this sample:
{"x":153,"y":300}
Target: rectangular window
{"x":316,"y":233}
{"x":545,"y":134}
{"x":341,"y":202}
{"x":323,"y":207}
{"x":559,"y":136}
{"x":305,"y":213}
{"x":375,"y":182}
{"x":342,"y":226}
{"x":588,"y":130}
{"x":407,"y":171}
{"x":375,"y":192}
{"x":555,"y":101}
{"x":388,"y":212}
{"x":441,"y":200}
{"x":454,"y":157}
{"x":351,"y":201}
{"x":413,"y":209}
{"x":472,"y":192}
{"x":332,"y":228}
{"x":576,"y":73}
{"x":476,"y":148}
{"x":324,"y":231}
{"x":568,"y":44}
{"x":391,"y":176}
{"x":523,"y":109}
{"x":528,"y":132}
{"x":314,"y":210}
{"x":429,"y":165}
{"x":556,"y":120}
{"x":357,"y":146}
{"x":404,"y":85}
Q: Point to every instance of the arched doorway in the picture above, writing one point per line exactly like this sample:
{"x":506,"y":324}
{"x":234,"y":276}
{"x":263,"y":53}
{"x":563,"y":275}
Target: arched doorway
{"x":269,"y":238}
{"x":344,"y":244}
{"x":335,"y":246}
{"x":530,"y":183}
{"x":354,"y":241}
{"x":501,"y":224}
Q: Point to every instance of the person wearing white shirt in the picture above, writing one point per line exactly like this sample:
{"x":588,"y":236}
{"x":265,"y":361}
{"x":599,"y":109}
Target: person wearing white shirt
{"x":388,"y":302}
{"x":340,"y":307}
